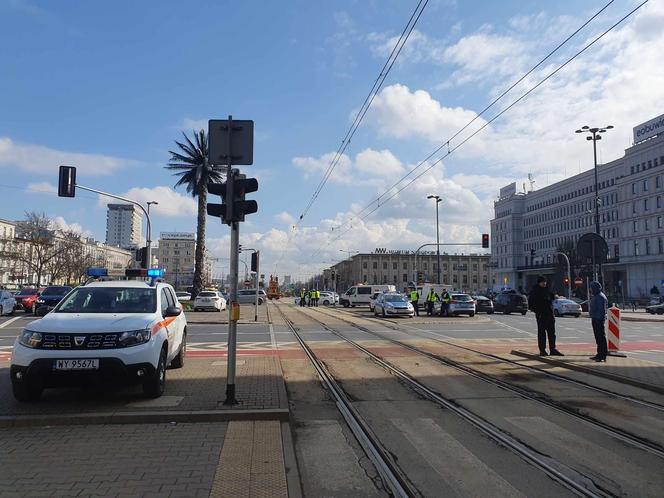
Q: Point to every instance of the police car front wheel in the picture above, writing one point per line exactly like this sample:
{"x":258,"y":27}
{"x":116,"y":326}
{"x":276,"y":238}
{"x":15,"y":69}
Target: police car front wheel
{"x":153,"y":387}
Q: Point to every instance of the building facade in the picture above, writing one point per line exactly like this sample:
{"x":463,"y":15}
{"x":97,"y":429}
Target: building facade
{"x":467,"y":272}
{"x":7,"y":234}
{"x":123,"y":226}
{"x":176,"y":254}
{"x":529,"y":229}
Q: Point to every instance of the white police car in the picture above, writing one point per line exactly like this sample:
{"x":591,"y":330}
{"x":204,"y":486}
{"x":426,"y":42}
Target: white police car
{"x":112,"y":331}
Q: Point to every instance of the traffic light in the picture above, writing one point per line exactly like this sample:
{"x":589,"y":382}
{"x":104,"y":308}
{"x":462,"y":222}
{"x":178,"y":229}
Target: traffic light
{"x":67,"y":181}
{"x":142,"y":256}
{"x":254,"y":261}
{"x":232,"y":192}
{"x":566,"y":281}
{"x":485,"y":240}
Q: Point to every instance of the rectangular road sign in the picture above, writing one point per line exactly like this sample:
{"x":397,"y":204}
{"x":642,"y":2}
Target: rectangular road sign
{"x":241,"y":142}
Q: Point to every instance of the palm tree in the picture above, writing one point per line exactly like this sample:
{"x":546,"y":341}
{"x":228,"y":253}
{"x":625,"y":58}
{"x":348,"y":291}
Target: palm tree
{"x":195,"y":172}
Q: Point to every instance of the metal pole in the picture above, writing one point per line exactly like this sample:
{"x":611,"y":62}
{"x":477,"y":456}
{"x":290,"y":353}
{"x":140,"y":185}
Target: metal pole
{"x":596,"y":184}
{"x":234,"y":263}
{"x":257,"y":272}
{"x":148,"y":245}
{"x":438,"y":242}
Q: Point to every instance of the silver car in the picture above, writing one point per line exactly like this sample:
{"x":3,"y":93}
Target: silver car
{"x":393,"y":305}
{"x":248,"y":296}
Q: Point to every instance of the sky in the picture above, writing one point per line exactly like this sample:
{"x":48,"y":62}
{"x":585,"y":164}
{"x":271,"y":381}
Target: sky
{"x":109,"y":86}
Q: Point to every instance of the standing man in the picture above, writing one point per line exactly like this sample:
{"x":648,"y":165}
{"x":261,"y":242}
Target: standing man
{"x":597,"y":312}
{"x":414,"y":298}
{"x":303,"y":296}
{"x":540,"y":301}
{"x":445,"y":303}
{"x":432,"y":297}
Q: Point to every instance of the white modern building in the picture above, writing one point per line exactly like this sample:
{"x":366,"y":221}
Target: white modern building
{"x":7,"y":233}
{"x":177,"y":251}
{"x":123,"y":226}
{"x":530,"y":228}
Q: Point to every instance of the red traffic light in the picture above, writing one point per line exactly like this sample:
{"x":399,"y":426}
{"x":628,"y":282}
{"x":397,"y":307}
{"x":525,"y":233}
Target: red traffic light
{"x":566,"y":281}
{"x":485,"y":240}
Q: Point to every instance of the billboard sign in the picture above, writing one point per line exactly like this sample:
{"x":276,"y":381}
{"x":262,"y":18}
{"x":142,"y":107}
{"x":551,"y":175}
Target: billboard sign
{"x":508,"y":191}
{"x":649,"y":129}
{"x":177,"y":236}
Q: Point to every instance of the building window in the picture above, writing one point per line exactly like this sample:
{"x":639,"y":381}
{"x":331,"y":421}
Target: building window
{"x":636,"y":248}
{"x":364,"y":266}
{"x":661,"y":245}
{"x":634,"y":207}
{"x":646,"y":224}
{"x":425,"y":266}
{"x":647,"y":246}
{"x":395,"y":266}
{"x":375,"y":265}
{"x":659,"y":222}
{"x":384,"y":265}
{"x":405,"y":266}
{"x":659,"y":202}
{"x":633,"y":188}
{"x":645,"y":185}
{"x":658,"y":181}
{"x":405,"y":277}
{"x":636,"y":226}
{"x":395,"y":279}
{"x":645,"y":204}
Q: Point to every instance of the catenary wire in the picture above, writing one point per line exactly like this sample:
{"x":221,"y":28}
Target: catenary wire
{"x":381,"y":202}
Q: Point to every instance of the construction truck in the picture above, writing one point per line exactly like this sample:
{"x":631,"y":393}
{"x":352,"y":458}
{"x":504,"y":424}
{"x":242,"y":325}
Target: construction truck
{"x":273,"y":288}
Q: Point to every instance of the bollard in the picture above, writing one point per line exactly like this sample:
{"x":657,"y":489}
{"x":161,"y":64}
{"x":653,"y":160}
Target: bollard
{"x":613,"y":333}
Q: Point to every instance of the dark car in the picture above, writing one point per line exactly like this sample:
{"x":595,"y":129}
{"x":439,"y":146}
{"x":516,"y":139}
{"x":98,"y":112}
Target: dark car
{"x":26,"y":298}
{"x":50,"y":298}
{"x":511,"y":302}
{"x":656,"y":309}
{"x":483,"y":305}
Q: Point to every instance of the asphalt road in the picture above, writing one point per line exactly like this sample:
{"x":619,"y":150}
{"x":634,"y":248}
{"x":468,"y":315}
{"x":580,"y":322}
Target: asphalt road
{"x":641,"y":340}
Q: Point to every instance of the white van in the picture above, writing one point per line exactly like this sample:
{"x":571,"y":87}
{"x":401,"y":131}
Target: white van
{"x":360,"y":295}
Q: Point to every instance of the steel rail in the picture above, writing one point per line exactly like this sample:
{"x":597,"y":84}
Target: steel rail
{"x":601,"y":390}
{"x":391,"y":475}
{"x":488,"y":428}
{"x":529,"y":394}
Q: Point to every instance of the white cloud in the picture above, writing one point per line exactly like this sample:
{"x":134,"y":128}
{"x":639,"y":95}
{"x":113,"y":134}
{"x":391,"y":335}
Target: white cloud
{"x":33,"y":158}
{"x":285,"y":218}
{"x":171,"y":203}
{"x":61,"y":224}
{"x":42,"y":188}
{"x":189,"y":124}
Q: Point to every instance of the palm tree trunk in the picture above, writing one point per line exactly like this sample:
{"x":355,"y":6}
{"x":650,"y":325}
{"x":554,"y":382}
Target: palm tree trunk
{"x":200,"y":241}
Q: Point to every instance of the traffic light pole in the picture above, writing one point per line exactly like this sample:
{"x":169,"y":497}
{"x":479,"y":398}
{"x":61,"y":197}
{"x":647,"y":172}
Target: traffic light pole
{"x":234,"y":268}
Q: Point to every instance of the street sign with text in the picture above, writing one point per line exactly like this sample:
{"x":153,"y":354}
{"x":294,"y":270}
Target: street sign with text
{"x":239,"y":140}
{"x":578,"y":281}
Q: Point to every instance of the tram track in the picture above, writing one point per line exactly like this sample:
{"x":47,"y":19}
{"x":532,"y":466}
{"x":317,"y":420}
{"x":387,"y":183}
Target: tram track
{"x":572,"y":479}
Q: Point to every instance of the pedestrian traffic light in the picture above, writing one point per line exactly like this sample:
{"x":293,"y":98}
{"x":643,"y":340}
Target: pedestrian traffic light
{"x":485,"y":240}
{"x":254,"y":261}
{"x":233,"y":191}
{"x":67,"y":181}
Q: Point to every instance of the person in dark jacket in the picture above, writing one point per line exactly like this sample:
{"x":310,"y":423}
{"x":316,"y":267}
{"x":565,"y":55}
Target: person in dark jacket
{"x":597,"y":312}
{"x":540,"y":301}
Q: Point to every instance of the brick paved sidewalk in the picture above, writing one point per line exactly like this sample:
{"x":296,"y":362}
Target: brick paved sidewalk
{"x":198,"y":387}
{"x":636,"y":372}
{"x":236,"y":459}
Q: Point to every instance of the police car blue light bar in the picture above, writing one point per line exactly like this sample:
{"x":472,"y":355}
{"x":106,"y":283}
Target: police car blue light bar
{"x":97,"y":272}
{"x":156,"y":272}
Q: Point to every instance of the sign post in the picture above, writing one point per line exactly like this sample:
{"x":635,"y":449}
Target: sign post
{"x":231,"y":142}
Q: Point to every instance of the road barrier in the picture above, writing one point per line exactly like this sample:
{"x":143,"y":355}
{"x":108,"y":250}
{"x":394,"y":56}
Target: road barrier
{"x":613,"y":336}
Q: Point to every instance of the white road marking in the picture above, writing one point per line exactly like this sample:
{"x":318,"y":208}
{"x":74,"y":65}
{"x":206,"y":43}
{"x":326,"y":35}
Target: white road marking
{"x":11,"y":320}
{"x":273,"y":341}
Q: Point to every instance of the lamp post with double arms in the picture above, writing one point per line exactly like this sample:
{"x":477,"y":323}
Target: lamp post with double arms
{"x":595,"y":134}
{"x":438,"y":201}
{"x":149,"y":203}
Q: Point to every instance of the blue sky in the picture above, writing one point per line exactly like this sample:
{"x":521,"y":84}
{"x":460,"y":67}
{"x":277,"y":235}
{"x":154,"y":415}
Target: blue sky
{"x":108,"y":87}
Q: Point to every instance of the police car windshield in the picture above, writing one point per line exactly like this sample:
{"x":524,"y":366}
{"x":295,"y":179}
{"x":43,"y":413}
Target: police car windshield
{"x":394,"y":298}
{"x":109,"y":300}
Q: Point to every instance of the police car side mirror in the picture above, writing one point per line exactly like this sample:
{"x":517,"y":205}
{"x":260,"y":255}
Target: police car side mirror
{"x":172,"y":311}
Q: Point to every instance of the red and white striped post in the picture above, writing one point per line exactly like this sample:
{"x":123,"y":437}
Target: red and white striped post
{"x":613,"y":335}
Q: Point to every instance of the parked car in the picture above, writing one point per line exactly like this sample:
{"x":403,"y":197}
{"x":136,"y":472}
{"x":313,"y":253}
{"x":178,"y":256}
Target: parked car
{"x":582,"y":302}
{"x":248,"y":296}
{"x":483,"y":305}
{"x":393,"y":304}
{"x":209,"y":300}
{"x":360,"y":295}
{"x":50,"y":298}
{"x":7,"y":303}
{"x":511,"y":302}
{"x":656,"y":309}
{"x":183,"y":296}
{"x":563,"y":306}
{"x":105,"y":332}
{"x":327,"y":298}
{"x":372,"y":300}
{"x":26,"y":298}
{"x":461,"y":304}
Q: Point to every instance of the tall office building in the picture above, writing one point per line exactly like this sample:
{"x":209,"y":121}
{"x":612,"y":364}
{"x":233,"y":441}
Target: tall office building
{"x":123,"y":226}
{"x":529,"y":229}
{"x":177,"y":252}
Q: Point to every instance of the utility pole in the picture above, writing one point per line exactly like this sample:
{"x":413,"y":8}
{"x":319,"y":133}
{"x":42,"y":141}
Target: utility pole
{"x":438,"y":201}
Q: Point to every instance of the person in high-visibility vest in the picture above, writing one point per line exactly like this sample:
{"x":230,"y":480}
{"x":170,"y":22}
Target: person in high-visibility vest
{"x":317,"y":297}
{"x":303,"y":297}
{"x":432,"y":297}
{"x":312,"y":295}
{"x":445,"y":303}
{"x":414,"y":298}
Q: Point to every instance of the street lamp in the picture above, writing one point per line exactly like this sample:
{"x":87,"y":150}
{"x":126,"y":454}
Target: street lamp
{"x":148,"y":236}
{"x":438,"y":201}
{"x":595,"y":135}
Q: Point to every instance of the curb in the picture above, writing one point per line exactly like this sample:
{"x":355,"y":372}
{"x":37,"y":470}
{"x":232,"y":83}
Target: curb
{"x":162,"y":417}
{"x":592,"y":371}
{"x":290,"y":462}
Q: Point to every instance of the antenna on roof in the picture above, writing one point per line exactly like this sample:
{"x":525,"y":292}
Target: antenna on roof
{"x":531,"y":181}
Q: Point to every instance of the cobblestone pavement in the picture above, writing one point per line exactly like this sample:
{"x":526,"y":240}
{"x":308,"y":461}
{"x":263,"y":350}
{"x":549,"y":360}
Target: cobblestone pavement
{"x":158,"y":460}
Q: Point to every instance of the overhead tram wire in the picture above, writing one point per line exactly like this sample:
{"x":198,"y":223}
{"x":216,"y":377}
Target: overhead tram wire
{"x":492,"y":103}
{"x":382,"y":202}
{"x":377,"y":85}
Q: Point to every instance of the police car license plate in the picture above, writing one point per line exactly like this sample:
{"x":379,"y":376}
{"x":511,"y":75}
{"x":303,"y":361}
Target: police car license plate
{"x":82,"y":364}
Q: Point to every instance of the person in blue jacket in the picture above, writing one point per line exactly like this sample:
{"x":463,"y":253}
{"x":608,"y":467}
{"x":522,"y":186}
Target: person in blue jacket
{"x":597,"y":311}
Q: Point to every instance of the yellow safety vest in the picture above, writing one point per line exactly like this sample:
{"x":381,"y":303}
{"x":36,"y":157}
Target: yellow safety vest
{"x":431,"y":297}
{"x":414,"y":296}
{"x":445,"y":298}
